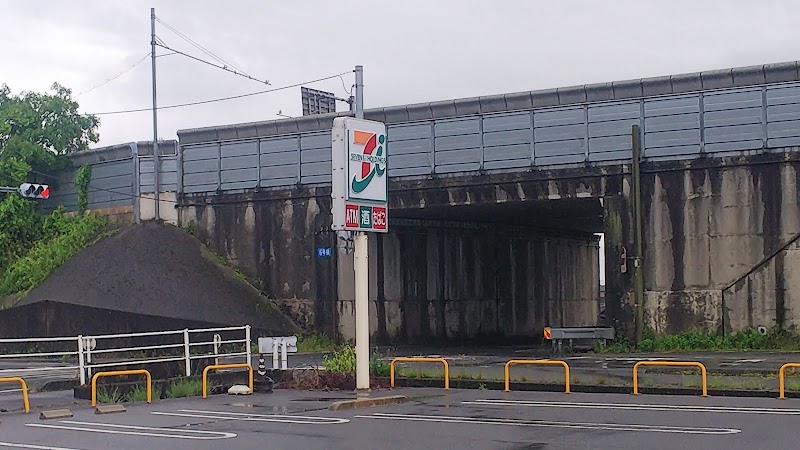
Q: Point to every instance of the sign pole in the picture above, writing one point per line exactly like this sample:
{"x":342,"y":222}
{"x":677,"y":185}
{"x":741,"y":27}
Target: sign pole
{"x":361,"y":266}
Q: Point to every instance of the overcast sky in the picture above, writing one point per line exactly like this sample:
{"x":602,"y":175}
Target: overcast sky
{"x":412,"y":51}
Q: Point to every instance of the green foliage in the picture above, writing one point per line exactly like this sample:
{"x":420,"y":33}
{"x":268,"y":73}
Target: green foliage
{"x":314,"y":342}
{"x":111,"y":396}
{"x":137,"y":394}
{"x":37,"y":130}
{"x":62,"y":237}
{"x":342,"y":360}
{"x":82,"y":178}
{"x":378,"y":367}
{"x":184,"y":388}
{"x":20,"y":226}
{"x":749,"y":339}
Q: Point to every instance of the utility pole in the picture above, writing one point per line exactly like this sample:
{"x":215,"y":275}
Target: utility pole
{"x":156,"y":168}
{"x":638,"y":266}
{"x":361,"y":266}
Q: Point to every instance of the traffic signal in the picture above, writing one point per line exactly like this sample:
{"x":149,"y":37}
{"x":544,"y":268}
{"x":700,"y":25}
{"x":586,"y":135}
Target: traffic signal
{"x":31,"y":190}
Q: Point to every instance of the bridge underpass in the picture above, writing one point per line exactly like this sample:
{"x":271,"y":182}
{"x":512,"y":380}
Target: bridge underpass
{"x":482,"y":272}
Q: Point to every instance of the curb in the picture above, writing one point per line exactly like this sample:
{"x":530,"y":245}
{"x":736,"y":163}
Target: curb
{"x":584,"y":388}
{"x":367,"y":402}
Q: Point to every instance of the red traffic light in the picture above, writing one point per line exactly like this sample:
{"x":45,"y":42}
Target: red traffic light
{"x":31,"y":190}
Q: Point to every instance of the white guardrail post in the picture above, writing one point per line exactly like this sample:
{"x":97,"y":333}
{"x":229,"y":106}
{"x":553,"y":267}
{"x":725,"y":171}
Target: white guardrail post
{"x":81,"y":364}
{"x":187,"y":352}
{"x":248,"y":343}
{"x":87,"y":344}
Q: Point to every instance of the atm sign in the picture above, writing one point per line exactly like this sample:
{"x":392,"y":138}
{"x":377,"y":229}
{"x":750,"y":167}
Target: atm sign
{"x":351,"y":216}
{"x":366,"y":217}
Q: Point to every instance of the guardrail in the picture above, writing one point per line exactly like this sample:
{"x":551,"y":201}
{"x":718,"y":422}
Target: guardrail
{"x":84,"y":354}
{"x":227,"y":366}
{"x":781,"y":375}
{"x":669,"y":364}
{"x":118,"y":373}
{"x":25,"y":402}
{"x":407,"y":359}
{"x":47,"y":357}
{"x":543,"y":362}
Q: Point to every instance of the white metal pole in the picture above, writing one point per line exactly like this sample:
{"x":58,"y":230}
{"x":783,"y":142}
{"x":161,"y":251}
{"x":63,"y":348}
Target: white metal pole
{"x":81,"y":365}
{"x":187,"y":352}
{"x":362,"y":310}
{"x":275,"y":353}
{"x":284,"y":358}
{"x":361,"y":266}
{"x":87,"y":342}
{"x":247,"y":338}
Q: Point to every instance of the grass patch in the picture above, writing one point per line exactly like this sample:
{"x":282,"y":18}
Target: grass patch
{"x":750,"y":339}
{"x":184,"y":388}
{"x":315,"y":342}
{"x":109,"y":396}
{"x":138,"y":394}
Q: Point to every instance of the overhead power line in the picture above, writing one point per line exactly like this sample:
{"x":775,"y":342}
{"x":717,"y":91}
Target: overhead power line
{"x":199,"y":47}
{"x":108,"y":80}
{"x":215,"y":100}
{"x":225,"y":68}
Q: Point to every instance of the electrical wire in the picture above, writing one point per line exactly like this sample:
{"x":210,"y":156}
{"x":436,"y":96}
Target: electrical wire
{"x":215,"y":100}
{"x":114,"y":77}
{"x":350,"y":92}
{"x":225,"y":68}
{"x":199,"y":47}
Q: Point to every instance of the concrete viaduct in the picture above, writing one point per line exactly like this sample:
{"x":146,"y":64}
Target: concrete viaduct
{"x":496,"y":203}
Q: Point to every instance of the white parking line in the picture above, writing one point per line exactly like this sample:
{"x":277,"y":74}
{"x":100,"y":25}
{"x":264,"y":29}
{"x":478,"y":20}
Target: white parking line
{"x":96,"y":427}
{"x":222,"y":415}
{"x":553,"y":424}
{"x":37,"y":447}
{"x":637,"y":407}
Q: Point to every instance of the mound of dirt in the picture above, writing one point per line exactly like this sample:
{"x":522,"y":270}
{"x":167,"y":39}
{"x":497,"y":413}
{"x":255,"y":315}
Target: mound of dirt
{"x":159,"y":270}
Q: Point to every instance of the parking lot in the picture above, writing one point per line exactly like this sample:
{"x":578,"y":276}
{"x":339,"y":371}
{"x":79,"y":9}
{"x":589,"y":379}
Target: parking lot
{"x":433,"y":418}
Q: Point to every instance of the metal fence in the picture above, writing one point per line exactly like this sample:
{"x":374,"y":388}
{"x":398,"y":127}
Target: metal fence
{"x":80,"y":356}
{"x":713,"y":122}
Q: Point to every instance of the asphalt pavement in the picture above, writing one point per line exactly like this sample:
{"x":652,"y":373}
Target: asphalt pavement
{"x":432,"y":418}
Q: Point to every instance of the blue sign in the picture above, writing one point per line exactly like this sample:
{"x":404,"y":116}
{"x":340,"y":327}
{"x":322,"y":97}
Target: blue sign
{"x":324,"y":252}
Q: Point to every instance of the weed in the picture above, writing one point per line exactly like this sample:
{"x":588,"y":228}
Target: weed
{"x":341,"y":361}
{"x":482,"y":387}
{"x":378,"y":366}
{"x":112,"y":396}
{"x":720,"y":383}
{"x":753,"y":385}
{"x":314,"y":342}
{"x":792,"y":385}
{"x":749,"y":339}
{"x":601,"y":380}
{"x":138,"y":394}
{"x":184,"y":388}
{"x":524,"y":379}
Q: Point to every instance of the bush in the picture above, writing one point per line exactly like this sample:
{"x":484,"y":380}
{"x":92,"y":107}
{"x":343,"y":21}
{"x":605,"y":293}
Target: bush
{"x":341,"y":361}
{"x":63,"y":238}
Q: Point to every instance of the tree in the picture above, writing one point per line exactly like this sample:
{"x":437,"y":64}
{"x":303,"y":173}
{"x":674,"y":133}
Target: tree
{"x":38,"y":130}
